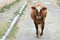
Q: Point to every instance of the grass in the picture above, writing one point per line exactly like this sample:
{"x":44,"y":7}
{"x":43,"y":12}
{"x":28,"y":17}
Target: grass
{"x":11,"y":36}
{"x":2,"y":10}
{"x":3,"y":27}
{"x":12,"y":33}
{"x":8,"y":6}
{"x":17,"y":12}
{"x":58,"y":3}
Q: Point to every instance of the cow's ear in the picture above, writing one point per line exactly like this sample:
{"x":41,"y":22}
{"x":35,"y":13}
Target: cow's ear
{"x":33,"y":7}
{"x":44,"y":8}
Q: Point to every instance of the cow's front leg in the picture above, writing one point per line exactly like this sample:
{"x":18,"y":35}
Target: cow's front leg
{"x":42,"y":28}
{"x":36,"y":26}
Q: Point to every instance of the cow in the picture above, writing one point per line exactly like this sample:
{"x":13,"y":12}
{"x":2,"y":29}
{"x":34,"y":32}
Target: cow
{"x":38,"y":15}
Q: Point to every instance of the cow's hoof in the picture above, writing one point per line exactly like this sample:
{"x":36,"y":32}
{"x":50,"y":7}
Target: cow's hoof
{"x":37,"y":36}
{"x":41,"y":34}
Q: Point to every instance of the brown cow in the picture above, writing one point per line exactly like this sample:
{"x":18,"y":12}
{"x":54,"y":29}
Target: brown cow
{"x":38,"y":14}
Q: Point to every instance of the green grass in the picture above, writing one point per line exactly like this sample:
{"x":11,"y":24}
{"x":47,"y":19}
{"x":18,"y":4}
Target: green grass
{"x":12,"y":33}
{"x":2,"y":10}
{"x":8,"y":6}
{"x":17,"y":0}
{"x":17,"y":12}
{"x":3,"y":28}
{"x":11,"y":36}
{"x":58,"y":3}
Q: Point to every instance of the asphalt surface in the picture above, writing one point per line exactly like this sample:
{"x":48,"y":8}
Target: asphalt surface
{"x":52,"y":25}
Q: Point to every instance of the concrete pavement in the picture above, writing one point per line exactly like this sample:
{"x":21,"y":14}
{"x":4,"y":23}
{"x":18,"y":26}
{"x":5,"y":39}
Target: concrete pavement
{"x":52,"y":25}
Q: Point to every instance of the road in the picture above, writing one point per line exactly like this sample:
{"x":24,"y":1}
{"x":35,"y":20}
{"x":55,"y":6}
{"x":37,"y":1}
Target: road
{"x":51,"y":31}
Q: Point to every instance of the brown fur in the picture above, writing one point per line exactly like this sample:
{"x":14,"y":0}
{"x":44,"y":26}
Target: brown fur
{"x":41,"y":21}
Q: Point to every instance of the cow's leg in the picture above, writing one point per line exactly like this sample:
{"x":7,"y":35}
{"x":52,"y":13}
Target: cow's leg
{"x":42,"y":28}
{"x":36,"y":26}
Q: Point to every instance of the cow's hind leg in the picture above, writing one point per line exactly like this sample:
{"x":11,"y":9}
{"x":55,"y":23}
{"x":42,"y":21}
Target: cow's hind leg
{"x":36,"y":26}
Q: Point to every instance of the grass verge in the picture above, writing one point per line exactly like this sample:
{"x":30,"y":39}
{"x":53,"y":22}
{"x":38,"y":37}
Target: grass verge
{"x":3,"y":28}
{"x":8,"y":6}
{"x":58,"y":3}
{"x":11,"y":36}
{"x":17,"y":12}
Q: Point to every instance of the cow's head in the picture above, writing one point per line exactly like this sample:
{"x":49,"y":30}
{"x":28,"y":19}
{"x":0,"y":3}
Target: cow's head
{"x":39,"y":9}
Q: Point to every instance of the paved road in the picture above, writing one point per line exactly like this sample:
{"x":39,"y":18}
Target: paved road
{"x":51,"y":31}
